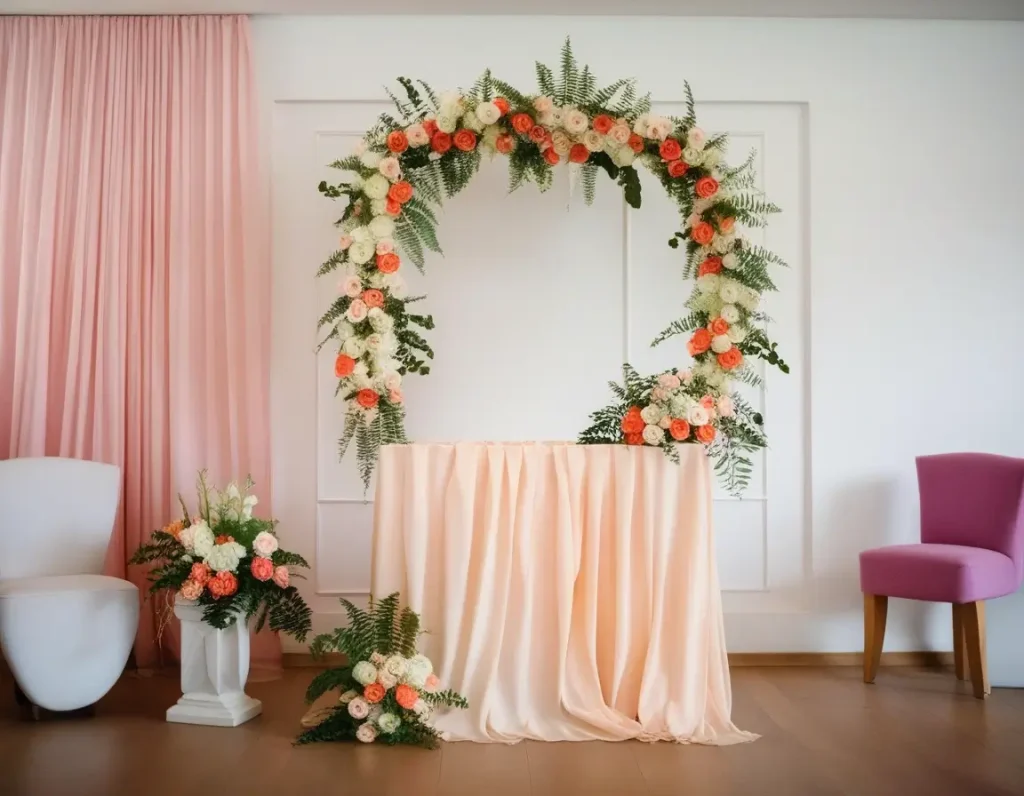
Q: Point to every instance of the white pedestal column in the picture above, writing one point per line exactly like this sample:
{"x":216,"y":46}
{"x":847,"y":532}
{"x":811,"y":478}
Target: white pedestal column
{"x":214,"y":668}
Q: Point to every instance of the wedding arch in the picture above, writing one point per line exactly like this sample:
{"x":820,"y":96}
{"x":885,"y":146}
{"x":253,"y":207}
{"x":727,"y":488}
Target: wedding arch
{"x":406,"y":166}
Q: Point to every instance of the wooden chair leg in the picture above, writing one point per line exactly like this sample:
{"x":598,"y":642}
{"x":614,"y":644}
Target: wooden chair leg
{"x":974,"y":630}
{"x":959,"y":651}
{"x":875,"y":608}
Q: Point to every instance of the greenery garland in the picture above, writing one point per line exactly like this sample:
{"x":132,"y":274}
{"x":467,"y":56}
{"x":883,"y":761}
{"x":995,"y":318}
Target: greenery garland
{"x":408,"y":164}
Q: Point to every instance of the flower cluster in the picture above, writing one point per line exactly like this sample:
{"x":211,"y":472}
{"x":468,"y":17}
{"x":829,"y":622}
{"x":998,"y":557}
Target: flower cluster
{"x":673,"y":414}
{"x":391,"y":688}
{"x":227,"y":560}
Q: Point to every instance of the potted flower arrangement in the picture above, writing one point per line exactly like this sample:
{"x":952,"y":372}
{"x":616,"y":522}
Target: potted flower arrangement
{"x":225,"y":567}
{"x":388,"y":690}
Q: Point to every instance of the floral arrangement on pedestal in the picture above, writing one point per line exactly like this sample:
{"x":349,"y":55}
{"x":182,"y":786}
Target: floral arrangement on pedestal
{"x":229,"y":562}
{"x":387,"y":690}
{"x":407,"y":164}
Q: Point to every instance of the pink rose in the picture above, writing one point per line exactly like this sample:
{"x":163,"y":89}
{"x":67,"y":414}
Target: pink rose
{"x":262,"y":568}
{"x":190,"y":590}
{"x":620,"y":133}
{"x":281,"y":576}
{"x":385,"y":247}
{"x":395,"y":396}
{"x":431,"y":684}
{"x":668,"y":381}
{"x":351,"y":286}
{"x":357,"y":310}
{"x":265,"y":544}
{"x":686,"y":376}
{"x":725,"y":407}
{"x":345,"y":242}
{"x":659,"y":394}
{"x":390,"y":168}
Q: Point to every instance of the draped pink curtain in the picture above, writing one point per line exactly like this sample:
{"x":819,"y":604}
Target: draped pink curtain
{"x":134,"y":272}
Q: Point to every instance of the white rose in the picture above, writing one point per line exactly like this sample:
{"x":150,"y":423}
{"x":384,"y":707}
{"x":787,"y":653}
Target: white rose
{"x":721,"y":343}
{"x":202,"y":539}
{"x":417,"y":135}
{"x":737,"y":334}
{"x":345,"y":331}
{"x":697,"y":415}
{"x":575,"y":121}
{"x":352,"y":286}
{"x":654,"y":435}
{"x":366,"y":733}
{"x":730,"y":313}
{"x":421,"y":708}
{"x":447,"y":120}
{"x":544,"y":105}
{"x":388,"y":344}
{"x":225,"y":557}
{"x":619,"y":133}
{"x":265,"y":544}
{"x":388,"y":722}
{"x":488,"y":112}
{"x":729,"y":292}
{"x":377,"y":659}
{"x":722,"y":244}
{"x":371,"y":159}
{"x":390,"y":168}
{"x":652,"y":414}
{"x":725,"y":407}
{"x":692,"y":156}
{"x":382,"y":227}
{"x":356,"y":311}
{"x":592,"y":141}
{"x":361,"y":252}
{"x":376,"y":186}
{"x":361,"y":234}
{"x":665,"y":422}
{"x":695,"y":138}
{"x":392,"y":381}
{"x":709,"y":283}
{"x":641,"y":123}
{"x":374,"y":342}
{"x":354,"y":347}
{"x":379,"y":207}
{"x":730,"y":261}
{"x":623,"y":156}
{"x":380,"y":320}
{"x":347,"y":697}
{"x":659,"y":127}
{"x":387,"y":679}
{"x":417,"y":669}
{"x":561,"y":143}
{"x":364,"y":673}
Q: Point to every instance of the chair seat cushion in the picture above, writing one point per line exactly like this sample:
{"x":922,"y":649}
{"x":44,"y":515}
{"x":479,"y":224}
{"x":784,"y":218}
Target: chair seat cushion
{"x":17,"y":587}
{"x":937,"y":572}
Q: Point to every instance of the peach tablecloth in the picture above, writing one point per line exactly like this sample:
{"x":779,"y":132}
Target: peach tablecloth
{"x":570,"y":592}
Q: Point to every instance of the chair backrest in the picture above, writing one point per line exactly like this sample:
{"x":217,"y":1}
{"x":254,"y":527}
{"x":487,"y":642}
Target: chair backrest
{"x":973,"y":499}
{"x":56,"y":516}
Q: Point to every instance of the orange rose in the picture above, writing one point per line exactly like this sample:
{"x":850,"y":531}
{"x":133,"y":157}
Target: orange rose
{"x":712,"y":265}
{"x":430,"y":127}
{"x":406,"y":696}
{"x":522,"y":123}
{"x":398,"y":141}
{"x":223,"y":584}
{"x":505,"y":143}
{"x":603,"y":123}
{"x":551,"y":156}
{"x":670,"y":149}
{"x":538,"y":134}
{"x":502,"y":104}
{"x":262,"y":568}
{"x":343,"y":366}
{"x":224,"y":539}
{"x":578,"y":154}
{"x":440,"y":142}
{"x":699,"y":342}
{"x":465,"y":140}
{"x":706,"y":434}
{"x":373,"y":298}
{"x":725,"y":225}
{"x":401,"y":192}
{"x":174,"y":528}
{"x":392,"y":208}
{"x":730,"y":359}
{"x":632,"y":423}
{"x":636,"y":143}
{"x":703,"y":233}
{"x":634,"y":439}
{"x":706,"y":187}
{"x":367,"y":398}
{"x":677,"y":168}
{"x":388,"y":263}
{"x":707,"y":402}
{"x":679,"y":430}
{"x":718,"y":325}
{"x":374,"y":693}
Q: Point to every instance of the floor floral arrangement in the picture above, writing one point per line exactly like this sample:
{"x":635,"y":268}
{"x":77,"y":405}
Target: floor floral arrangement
{"x":229,"y":562}
{"x":387,"y":689}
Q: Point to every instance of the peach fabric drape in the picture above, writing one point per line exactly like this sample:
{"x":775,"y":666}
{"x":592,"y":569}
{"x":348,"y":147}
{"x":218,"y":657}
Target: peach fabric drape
{"x":570,"y":592}
{"x":134,"y":273}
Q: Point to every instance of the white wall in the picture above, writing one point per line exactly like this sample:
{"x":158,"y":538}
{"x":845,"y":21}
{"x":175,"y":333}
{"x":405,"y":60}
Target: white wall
{"x":895,"y":147}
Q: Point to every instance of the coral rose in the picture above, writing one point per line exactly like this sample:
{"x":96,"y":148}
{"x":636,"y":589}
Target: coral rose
{"x":431,"y":684}
{"x":551,"y":157}
{"x":505,"y":143}
{"x":374,"y":693}
{"x":406,"y":696}
{"x":465,"y":140}
{"x":706,"y":187}
{"x":699,"y":342}
{"x":262,"y":568}
{"x":281,"y":576}
{"x":343,"y":366}
{"x":388,"y":263}
{"x":703,"y":233}
{"x":398,"y":141}
{"x":633,"y":423}
{"x":603,"y":123}
{"x":635,"y":439}
{"x":522,"y":123}
{"x":706,"y":434}
{"x":373,"y":298}
{"x":719,"y":326}
{"x":726,"y":225}
{"x":401,"y":192}
{"x":636,"y":143}
{"x":190,"y":590}
{"x":677,"y":168}
{"x":201,"y":573}
{"x":440,"y":142}
{"x":670,"y":149}
{"x":223,"y":584}
{"x":430,"y":127}
{"x":502,"y":104}
{"x":578,"y":154}
{"x":730,"y":359}
{"x":712,"y":265}
{"x":538,"y":134}
{"x":224,"y":539}
{"x":679,"y":430}
{"x":707,"y":402}
{"x":391,"y":207}
{"x":367,"y":398}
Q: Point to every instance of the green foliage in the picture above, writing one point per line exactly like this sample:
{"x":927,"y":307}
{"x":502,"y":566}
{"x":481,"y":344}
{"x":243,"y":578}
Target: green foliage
{"x":684,"y":325}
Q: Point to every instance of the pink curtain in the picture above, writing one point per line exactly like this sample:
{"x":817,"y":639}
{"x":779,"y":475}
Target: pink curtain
{"x":134,"y":272}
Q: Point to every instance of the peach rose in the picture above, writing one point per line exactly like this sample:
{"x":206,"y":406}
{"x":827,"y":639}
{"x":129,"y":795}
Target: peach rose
{"x":706,"y":187}
{"x":374,"y":693}
{"x":223,"y":584}
{"x":703,"y":233}
{"x":502,"y":104}
{"x":262,"y":568}
{"x":440,"y":141}
{"x":679,"y":430}
{"x":200,"y":573}
{"x":551,"y":157}
{"x":603,"y":123}
{"x":730,"y":359}
{"x":388,"y":263}
{"x":505,"y":143}
{"x":344,"y":242}
{"x":367,"y":398}
{"x":465,"y":140}
{"x":522,"y":123}
{"x":398,"y":141}
{"x":391,"y":207}
{"x":395,"y":396}
{"x":401,"y":192}
{"x":281,"y":576}
{"x":636,"y":143}
{"x":385,"y":247}
{"x":578,"y":154}
{"x":431,"y":684}
{"x":670,"y":149}
{"x":633,"y":423}
{"x":726,"y":225}
{"x":635,"y":439}
{"x":719,"y":326}
{"x":707,"y":402}
{"x":174,"y":528}
{"x":538,"y":134}
{"x":190,"y":590}
{"x":373,"y":298}
{"x":699,"y":342}
{"x":712,"y":265}
{"x":406,"y":696}
{"x":677,"y":168}
{"x":343,"y":366}
{"x":706,"y":434}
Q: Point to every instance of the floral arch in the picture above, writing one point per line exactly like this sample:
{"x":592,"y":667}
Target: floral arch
{"x":406,"y":166}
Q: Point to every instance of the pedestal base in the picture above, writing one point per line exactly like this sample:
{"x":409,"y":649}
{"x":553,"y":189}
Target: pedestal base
{"x":228,"y":710}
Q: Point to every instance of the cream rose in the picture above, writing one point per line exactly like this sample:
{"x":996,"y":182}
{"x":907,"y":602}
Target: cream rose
{"x":561,"y":143}
{"x":370,"y":159}
{"x":651,"y":414}
{"x":619,"y":133}
{"x":697,"y":415}
{"x":592,"y":141}
{"x":623,"y":156}
{"x":488,"y":112}
{"x":361,"y":251}
{"x":544,"y":105}
{"x":723,"y":243}
{"x":417,"y":135}
{"x":721,"y":343}
{"x":693,"y":156}
{"x":352,"y":286}
{"x":364,"y":673}
{"x":575,"y":121}
{"x":376,"y":187}
{"x":729,"y":292}
{"x":654,"y":435}
{"x":737,"y":334}
{"x":730,"y":261}
{"x":382,"y":227}
{"x":730,"y":313}
{"x":366,"y":733}
{"x":695,"y":138}
{"x":659,"y":127}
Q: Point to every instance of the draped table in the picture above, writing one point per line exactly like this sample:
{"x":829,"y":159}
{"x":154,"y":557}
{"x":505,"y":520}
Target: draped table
{"x":570,"y":592}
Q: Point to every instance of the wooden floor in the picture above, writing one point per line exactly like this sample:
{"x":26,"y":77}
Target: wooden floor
{"x":824,"y":732}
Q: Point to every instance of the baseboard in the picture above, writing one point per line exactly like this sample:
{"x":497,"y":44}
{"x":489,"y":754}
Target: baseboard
{"x":303,"y":660}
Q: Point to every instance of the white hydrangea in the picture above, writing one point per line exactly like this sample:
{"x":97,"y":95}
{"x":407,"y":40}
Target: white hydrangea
{"x":737,"y":334}
{"x":652,"y":414}
{"x":623,"y":156}
{"x":730,"y":313}
{"x":364,"y":673}
{"x":388,"y":722}
{"x":382,"y":227}
{"x":680,"y":404}
{"x":225,"y":557}
{"x":371,"y":160}
{"x":721,"y":343}
{"x":360,"y":233}
{"x":750,"y":300}
{"x":376,"y":186}
{"x":709,"y":283}
{"x":730,"y":261}
{"x":354,"y":346}
{"x":381,"y":321}
{"x":360,"y":252}
{"x":729,"y":291}
{"x":202,"y":539}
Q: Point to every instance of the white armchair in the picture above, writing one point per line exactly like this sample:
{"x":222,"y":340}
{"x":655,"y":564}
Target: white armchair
{"x":66,"y":630}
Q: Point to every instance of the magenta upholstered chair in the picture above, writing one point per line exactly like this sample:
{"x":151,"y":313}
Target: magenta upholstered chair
{"x":971,"y":550}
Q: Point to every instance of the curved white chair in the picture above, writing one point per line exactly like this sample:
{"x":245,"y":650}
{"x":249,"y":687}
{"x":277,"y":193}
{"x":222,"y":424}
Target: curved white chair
{"x":66,"y":630}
